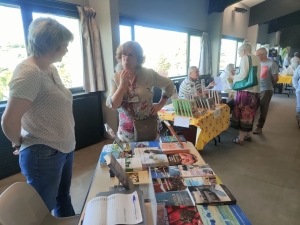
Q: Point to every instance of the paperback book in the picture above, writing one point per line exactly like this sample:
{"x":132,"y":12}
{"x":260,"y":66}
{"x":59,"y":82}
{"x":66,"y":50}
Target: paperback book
{"x":175,"y":198}
{"x":139,"y":177}
{"x":164,"y":171}
{"x":222,"y":214}
{"x":146,"y":151}
{"x":169,"y":184}
{"x":183,"y":215}
{"x":200,"y":181}
{"x":110,"y":148}
{"x":154,"y":160}
{"x":182,"y":159}
{"x":168,"y":139}
{"x":131,"y":164}
{"x":212,"y":195}
{"x":196,"y":170}
{"x":144,"y":144}
{"x":174,"y":147}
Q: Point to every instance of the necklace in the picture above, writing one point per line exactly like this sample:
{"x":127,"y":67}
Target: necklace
{"x":132,"y":84}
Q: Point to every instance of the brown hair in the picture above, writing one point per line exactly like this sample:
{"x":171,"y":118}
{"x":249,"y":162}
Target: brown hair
{"x":137,"y":49}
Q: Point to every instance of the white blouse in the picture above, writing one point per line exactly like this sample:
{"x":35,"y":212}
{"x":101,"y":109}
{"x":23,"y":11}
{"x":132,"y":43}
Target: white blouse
{"x":49,"y":120}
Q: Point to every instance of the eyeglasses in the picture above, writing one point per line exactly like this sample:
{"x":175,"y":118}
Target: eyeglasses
{"x":130,"y":55}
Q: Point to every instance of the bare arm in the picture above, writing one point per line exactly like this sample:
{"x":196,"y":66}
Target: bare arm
{"x":275,"y":78}
{"x":11,"y":119}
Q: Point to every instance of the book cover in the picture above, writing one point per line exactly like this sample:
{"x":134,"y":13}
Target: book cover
{"x":167,"y":139}
{"x":183,"y":215}
{"x":113,"y":148}
{"x":111,"y":132}
{"x":143,"y":144}
{"x":197,"y":170}
{"x":174,"y":147}
{"x":164,"y":171}
{"x":160,"y":220}
{"x":146,"y":151}
{"x":222,"y":214}
{"x":154,"y":160}
{"x":166,"y":217}
{"x":200,"y":181}
{"x":119,"y":172}
{"x":131,"y":164}
{"x":169,"y":184}
{"x":139,"y":177}
{"x":211,"y":103}
{"x":175,"y":198}
{"x":173,"y":132}
{"x":182,"y":159}
{"x":212,"y":195}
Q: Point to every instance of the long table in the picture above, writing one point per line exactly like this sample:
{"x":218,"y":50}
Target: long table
{"x":208,"y":126}
{"x":285,"y":79}
{"x":101,"y":182}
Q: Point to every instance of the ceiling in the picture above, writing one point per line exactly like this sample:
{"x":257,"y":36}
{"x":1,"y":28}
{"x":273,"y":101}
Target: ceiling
{"x":251,"y":3}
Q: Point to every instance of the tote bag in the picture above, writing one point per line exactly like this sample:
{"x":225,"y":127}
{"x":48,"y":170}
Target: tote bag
{"x":250,"y":80}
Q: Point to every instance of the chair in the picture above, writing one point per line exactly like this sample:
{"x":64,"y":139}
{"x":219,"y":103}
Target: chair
{"x":20,"y":204}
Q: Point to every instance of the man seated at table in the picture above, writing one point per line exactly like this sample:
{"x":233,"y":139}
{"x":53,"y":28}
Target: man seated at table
{"x":268,"y":77}
{"x":194,"y":79}
{"x":227,"y":77}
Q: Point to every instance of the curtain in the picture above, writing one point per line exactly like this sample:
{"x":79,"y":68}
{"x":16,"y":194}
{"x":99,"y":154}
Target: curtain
{"x":92,"y":56}
{"x":205,"y":56}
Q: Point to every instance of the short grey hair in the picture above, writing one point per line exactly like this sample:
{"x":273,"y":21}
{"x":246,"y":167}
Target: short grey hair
{"x":46,"y":35}
{"x":191,"y":68}
{"x":296,"y":54}
{"x":246,"y":47}
{"x":230,"y":65}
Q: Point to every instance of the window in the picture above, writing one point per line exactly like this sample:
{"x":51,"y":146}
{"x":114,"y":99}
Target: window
{"x":12,"y":45}
{"x":168,"y":51}
{"x":195,"y":47}
{"x":13,"y":42}
{"x":70,"y":68}
{"x":229,"y":53}
{"x":125,"y":34}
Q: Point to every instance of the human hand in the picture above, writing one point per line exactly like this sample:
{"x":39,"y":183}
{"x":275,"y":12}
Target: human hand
{"x":155,"y":108}
{"x":17,"y":147}
{"x":124,"y":78}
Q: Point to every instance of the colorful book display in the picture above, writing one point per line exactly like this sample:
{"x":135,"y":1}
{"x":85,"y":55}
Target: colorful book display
{"x":184,"y":107}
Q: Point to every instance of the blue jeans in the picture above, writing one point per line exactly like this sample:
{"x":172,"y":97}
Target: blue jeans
{"x":49,"y":171}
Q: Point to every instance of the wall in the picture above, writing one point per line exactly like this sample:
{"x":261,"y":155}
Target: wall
{"x":262,"y":33}
{"x":252,"y":36}
{"x":271,"y":39}
{"x":215,"y":21}
{"x":108,"y":23}
{"x":291,"y":37}
{"x":235,"y":24}
{"x":272,"y":9}
{"x":168,"y":12}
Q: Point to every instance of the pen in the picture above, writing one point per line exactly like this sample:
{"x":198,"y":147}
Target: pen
{"x":134,"y":200}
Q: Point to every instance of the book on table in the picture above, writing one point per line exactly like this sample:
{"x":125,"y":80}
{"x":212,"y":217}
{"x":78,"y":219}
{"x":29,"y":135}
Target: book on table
{"x":195,"y":170}
{"x":182,"y":159}
{"x":174,"y":147}
{"x":137,"y":152}
{"x":222,"y":214}
{"x":175,"y":198}
{"x":168,"y":139}
{"x":110,"y":208}
{"x":137,"y":177}
{"x":154,"y":160}
{"x":183,"y":215}
{"x":143,"y":144}
{"x":212,"y":195}
{"x":131,"y":164}
{"x":164,"y":171}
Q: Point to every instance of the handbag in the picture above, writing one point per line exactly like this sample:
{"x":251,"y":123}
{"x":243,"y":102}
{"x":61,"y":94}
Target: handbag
{"x":144,"y":130}
{"x":250,"y":80}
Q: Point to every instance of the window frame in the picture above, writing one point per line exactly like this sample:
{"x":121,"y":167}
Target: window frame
{"x":129,"y":21}
{"x":27,"y":7}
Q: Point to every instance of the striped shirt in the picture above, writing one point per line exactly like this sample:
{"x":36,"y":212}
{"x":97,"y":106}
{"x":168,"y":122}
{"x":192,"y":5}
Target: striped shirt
{"x":185,"y":86}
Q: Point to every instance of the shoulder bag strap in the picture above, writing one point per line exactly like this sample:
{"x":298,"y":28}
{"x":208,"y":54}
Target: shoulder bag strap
{"x":250,"y":61}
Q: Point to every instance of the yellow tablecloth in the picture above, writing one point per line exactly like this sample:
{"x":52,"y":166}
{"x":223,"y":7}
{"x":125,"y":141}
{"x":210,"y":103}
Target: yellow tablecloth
{"x":209,"y":126}
{"x":285,"y":79}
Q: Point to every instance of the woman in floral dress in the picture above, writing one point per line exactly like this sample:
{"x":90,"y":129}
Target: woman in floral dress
{"x":247,"y":100}
{"x":133,"y":85}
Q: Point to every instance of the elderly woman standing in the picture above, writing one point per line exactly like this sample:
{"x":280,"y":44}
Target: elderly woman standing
{"x":38,"y":119}
{"x":132,"y":86}
{"x":247,"y":100}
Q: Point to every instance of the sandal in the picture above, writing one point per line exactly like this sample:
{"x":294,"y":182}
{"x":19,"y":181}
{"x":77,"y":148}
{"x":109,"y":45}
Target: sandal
{"x":247,"y":138}
{"x":237,"y":141}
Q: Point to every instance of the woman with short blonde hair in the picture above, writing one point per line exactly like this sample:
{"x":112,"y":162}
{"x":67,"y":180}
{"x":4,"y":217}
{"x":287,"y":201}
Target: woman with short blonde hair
{"x":38,"y":119}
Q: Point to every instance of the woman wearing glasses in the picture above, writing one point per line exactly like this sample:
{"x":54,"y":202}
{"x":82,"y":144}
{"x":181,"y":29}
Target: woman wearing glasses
{"x":132,"y":89}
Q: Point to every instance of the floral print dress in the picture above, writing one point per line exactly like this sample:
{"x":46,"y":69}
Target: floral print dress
{"x":142,"y":86}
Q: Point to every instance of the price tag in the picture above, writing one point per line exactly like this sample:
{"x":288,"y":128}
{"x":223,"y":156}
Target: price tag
{"x":182,"y":121}
{"x":217,"y":113}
